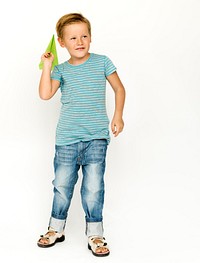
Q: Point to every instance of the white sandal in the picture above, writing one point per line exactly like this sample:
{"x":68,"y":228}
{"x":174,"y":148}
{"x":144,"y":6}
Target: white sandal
{"x":51,"y":237}
{"x":95,"y":243}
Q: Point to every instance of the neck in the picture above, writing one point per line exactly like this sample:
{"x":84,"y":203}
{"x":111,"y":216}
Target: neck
{"x":78,"y":61}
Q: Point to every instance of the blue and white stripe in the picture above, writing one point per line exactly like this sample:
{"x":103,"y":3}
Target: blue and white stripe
{"x":83,"y":115}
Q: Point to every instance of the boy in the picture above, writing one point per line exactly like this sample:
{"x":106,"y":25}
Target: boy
{"x":82,"y":133}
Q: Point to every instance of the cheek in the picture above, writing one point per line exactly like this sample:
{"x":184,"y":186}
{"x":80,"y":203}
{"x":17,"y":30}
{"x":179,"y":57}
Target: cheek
{"x":70,"y":46}
{"x":88,"y":42}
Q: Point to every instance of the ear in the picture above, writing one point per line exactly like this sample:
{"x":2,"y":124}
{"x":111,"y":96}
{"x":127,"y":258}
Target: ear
{"x":61,"y":42}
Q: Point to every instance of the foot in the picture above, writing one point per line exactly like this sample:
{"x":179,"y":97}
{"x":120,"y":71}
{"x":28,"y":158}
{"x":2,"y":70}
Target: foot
{"x":50,"y":238}
{"x":98,"y":246}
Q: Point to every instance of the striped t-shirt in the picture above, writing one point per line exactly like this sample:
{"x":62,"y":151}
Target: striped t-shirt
{"x":83,"y":115}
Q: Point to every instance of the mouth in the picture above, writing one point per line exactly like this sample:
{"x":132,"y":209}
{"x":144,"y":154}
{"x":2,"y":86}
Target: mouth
{"x":80,"y":48}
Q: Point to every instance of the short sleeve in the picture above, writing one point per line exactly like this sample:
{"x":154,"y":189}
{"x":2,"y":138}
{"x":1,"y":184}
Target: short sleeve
{"x":109,"y":67}
{"x":56,"y":74}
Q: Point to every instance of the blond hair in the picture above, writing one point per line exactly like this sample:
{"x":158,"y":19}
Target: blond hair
{"x":69,"y":19}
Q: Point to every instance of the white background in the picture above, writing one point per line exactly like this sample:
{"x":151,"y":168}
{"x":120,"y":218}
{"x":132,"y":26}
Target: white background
{"x":152,"y":211}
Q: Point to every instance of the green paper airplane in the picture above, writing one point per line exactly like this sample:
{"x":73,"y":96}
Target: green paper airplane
{"x":51,"y":48}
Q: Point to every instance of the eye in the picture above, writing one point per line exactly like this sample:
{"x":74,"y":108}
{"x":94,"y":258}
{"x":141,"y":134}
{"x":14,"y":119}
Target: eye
{"x":85,"y":36}
{"x":72,"y":38}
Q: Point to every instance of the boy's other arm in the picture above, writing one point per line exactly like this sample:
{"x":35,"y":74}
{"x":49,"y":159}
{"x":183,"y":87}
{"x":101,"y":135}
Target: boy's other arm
{"x":117,"y":123}
{"x":47,"y":86}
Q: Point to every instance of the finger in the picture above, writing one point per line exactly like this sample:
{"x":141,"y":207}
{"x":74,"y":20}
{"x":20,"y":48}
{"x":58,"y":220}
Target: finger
{"x":47,"y":55}
{"x":113,"y":128}
{"x":117,"y":130}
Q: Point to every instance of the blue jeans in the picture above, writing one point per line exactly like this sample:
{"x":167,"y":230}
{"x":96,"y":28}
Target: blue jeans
{"x":90,"y":156}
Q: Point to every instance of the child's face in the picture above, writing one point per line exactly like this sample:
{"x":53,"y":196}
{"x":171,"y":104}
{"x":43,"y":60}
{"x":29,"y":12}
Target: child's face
{"x":76,"y":39}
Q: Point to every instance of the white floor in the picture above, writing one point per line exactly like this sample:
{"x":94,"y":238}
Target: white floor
{"x":152,"y":223}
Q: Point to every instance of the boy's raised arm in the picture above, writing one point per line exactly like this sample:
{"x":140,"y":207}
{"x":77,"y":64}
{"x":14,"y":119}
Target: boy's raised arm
{"x":47,"y":86}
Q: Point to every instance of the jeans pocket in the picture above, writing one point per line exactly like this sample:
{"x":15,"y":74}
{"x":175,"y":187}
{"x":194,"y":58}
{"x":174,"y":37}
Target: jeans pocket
{"x":97,"y":151}
{"x":65,"y":154}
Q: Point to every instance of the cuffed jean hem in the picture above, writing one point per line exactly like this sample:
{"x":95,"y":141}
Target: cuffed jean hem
{"x":94,"y":229}
{"x":57,"y":224}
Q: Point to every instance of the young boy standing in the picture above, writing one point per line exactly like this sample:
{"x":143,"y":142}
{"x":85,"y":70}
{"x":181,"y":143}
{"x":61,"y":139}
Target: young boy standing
{"x":82,"y":133}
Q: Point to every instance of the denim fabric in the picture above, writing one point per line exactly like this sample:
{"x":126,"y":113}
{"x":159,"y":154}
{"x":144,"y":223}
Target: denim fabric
{"x":90,"y":156}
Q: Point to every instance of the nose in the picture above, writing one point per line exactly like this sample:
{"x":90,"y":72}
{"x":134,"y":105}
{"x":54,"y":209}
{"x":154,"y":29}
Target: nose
{"x":79,"y":41}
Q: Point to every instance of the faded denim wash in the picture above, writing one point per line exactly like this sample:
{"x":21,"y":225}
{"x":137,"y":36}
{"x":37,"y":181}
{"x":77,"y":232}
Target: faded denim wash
{"x":90,"y":156}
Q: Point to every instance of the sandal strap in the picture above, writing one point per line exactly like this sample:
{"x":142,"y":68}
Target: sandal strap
{"x":96,"y":242}
{"x":51,"y":236}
